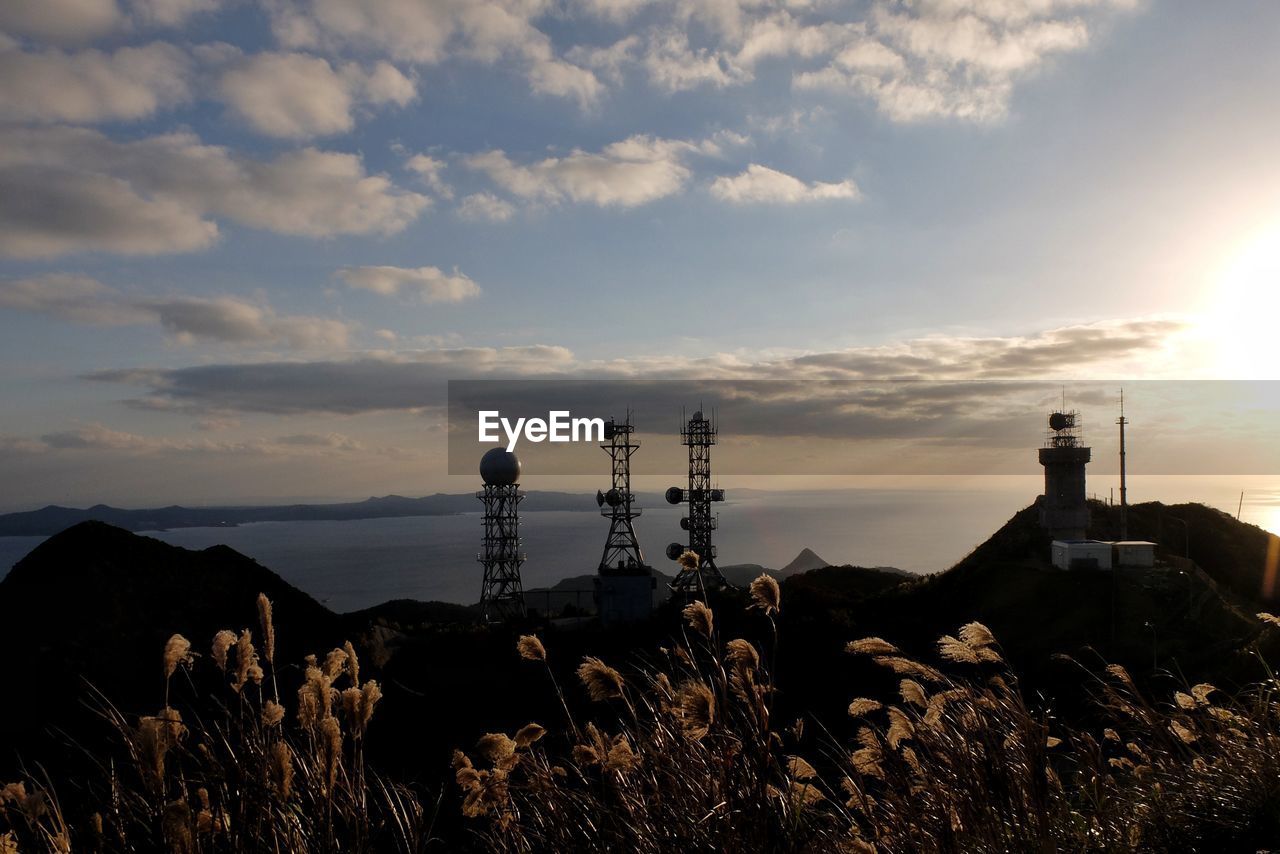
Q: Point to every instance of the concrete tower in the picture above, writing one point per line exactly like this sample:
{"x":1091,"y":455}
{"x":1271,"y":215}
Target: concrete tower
{"x":1063,"y":508}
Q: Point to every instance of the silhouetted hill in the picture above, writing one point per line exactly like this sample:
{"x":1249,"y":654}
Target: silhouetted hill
{"x":1233,"y":553}
{"x":98,"y":603}
{"x":52,"y":519}
{"x":742,"y":574}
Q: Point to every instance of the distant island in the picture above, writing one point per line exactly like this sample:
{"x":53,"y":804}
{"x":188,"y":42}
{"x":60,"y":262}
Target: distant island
{"x":52,"y":519}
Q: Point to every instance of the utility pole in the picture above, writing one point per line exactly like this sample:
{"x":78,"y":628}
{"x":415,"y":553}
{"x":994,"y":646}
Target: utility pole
{"x":1124,"y":493}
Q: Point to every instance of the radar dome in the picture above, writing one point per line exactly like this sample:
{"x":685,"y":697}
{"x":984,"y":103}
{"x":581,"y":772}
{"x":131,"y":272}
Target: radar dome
{"x":500,"y":467}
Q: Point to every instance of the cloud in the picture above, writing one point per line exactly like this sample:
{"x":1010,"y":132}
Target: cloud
{"x":99,"y":437}
{"x":944,"y":59}
{"x":231,"y":320}
{"x":760,"y":184}
{"x":96,"y":436}
{"x":485,"y":206}
{"x":412,"y":380}
{"x":404,"y":381}
{"x":485,"y":31}
{"x":631,"y":172}
{"x":913,"y":59}
{"x":428,"y":284}
{"x":61,"y":21}
{"x":294,"y":95}
{"x":67,"y":296}
{"x":68,"y":190}
{"x":430,"y":171}
{"x":92,"y":86}
{"x":81,"y":299}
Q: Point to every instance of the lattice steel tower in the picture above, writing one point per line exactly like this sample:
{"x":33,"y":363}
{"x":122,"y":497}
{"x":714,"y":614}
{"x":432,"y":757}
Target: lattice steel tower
{"x":624,"y":584}
{"x":699,"y":434}
{"x":621,"y":548}
{"x":502,"y":595}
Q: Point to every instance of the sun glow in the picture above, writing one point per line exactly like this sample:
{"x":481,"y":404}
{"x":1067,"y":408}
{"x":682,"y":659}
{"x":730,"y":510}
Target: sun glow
{"x":1243,"y":317}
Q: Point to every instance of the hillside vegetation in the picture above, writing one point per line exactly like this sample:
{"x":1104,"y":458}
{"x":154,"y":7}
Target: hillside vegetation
{"x":747,"y":726}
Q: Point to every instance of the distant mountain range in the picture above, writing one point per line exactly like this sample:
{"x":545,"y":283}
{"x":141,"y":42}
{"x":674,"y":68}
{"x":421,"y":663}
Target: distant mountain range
{"x":50,"y":520}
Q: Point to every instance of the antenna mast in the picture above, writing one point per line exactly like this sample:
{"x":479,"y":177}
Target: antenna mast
{"x":1124,"y":492}
{"x":624,"y":583}
{"x":621,"y":548}
{"x":698,"y":434}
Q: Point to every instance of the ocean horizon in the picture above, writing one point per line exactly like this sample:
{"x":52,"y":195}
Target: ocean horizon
{"x":355,"y":564}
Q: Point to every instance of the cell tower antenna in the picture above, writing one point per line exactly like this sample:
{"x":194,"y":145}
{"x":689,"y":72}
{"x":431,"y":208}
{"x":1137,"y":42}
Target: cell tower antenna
{"x":624,"y":583}
{"x":1124,"y":492}
{"x":698,"y":434}
{"x":501,"y":593}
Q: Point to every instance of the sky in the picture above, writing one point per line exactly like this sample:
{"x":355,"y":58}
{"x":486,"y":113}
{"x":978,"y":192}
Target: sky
{"x":244,"y":245}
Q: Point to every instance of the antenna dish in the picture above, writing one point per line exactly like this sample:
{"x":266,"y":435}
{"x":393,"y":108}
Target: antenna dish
{"x":674,"y":551}
{"x":697,"y":416}
{"x":1060,"y":421}
{"x":599,"y":498}
{"x":500,"y":467}
{"x":613,"y":498}
{"x":675,"y":495}
{"x":609,"y":429}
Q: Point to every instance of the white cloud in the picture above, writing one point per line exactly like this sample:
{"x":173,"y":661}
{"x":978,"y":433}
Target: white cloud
{"x":673,"y":66}
{"x":762,"y":184}
{"x":486,"y":206}
{"x":914,"y":59}
{"x":424,"y":33}
{"x":297,"y":95}
{"x":428,"y":284}
{"x":67,"y":190}
{"x":430,"y":171}
{"x":631,"y":172}
{"x":92,"y":86}
{"x":226,"y":319}
{"x":60,"y":21}
{"x":953,"y":58}
{"x":82,"y":299}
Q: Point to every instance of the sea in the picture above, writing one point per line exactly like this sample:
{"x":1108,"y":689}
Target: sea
{"x":350,"y":565}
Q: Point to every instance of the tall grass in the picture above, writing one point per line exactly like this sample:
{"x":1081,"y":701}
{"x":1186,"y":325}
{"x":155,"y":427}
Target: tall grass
{"x":692,"y":759}
{"x":247,"y":769}
{"x":682,"y":754}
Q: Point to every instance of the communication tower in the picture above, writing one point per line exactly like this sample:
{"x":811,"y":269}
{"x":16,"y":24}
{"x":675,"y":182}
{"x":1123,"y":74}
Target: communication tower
{"x":699,"y":434}
{"x":1124,"y":492}
{"x":1064,"y":511}
{"x":502,"y":595}
{"x":624,"y":584}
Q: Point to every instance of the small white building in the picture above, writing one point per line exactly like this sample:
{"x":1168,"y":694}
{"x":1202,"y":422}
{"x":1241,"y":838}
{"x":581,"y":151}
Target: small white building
{"x":1138,"y":553}
{"x":1081,"y":554}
